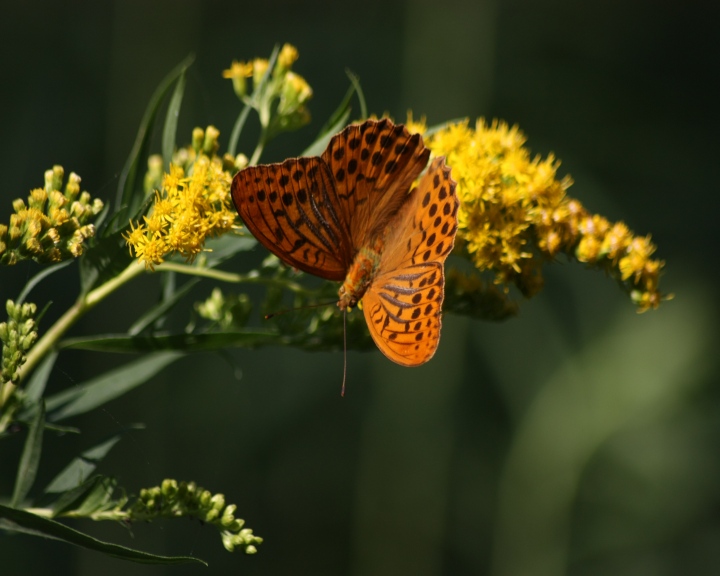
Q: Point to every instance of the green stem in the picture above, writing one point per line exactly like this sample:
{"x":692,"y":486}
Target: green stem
{"x":74,"y":313}
{"x":252,"y":278}
{"x":117,"y":515}
{"x":259,"y":148}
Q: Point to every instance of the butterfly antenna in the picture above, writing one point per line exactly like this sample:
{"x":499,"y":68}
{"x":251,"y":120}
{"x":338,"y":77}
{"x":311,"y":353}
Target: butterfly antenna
{"x":342,"y":391}
{"x":279,"y":312}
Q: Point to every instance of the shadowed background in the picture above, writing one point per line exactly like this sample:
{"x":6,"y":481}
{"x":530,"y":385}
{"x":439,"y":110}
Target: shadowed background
{"x":578,"y":438}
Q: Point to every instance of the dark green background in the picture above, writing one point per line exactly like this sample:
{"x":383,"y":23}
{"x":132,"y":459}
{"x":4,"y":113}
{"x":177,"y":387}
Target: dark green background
{"x":578,"y":438}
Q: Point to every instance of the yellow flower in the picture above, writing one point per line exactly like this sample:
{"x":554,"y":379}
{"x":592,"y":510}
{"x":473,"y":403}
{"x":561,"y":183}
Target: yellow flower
{"x":415,"y":126}
{"x":287,"y":57}
{"x":238,"y":72}
{"x":260,"y":66}
{"x":515,"y":214}
{"x":192,"y":206}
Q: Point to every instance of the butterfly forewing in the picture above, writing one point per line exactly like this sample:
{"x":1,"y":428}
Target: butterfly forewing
{"x":402,"y":310}
{"x":424,"y":230}
{"x":373,"y":165}
{"x":291,"y":208}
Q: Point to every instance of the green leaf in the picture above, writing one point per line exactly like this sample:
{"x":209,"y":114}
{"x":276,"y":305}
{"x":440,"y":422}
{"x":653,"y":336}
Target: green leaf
{"x":218,"y":250}
{"x":162,"y":308}
{"x":318,"y":147}
{"x":30,"y":458}
{"x":338,"y":119}
{"x":98,"y":498}
{"x":22,"y":521}
{"x":341,"y":111}
{"x":39,"y":378}
{"x":92,"y":496}
{"x":183,"y":342}
{"x":80,"y":468}
{"x":114,"y":383}
{"x":39,"y":277}
{"x":128,"y":201}
{"x":60,"y":429}
{"x":221,"y":249}
{"x":171,"y":120}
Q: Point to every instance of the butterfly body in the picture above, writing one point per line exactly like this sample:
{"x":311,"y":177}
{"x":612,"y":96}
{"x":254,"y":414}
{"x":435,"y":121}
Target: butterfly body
{"x":360,"y":275}
{"x":349,"y":215}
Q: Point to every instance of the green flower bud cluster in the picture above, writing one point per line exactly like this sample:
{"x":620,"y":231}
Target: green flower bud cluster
{"x":18,"y":335}
{"x":231,"y":310}
{"x":204,"y":142}
{"x":173,"y":499}
{"x":53,"y":225}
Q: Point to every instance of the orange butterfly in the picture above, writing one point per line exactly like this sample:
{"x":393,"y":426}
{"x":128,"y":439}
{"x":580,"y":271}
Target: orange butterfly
{"x":350,"y":215}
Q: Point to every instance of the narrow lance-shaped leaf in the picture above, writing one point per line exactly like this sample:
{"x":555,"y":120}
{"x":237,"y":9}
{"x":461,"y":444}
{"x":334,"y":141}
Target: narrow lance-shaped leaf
{"x":183,"y":342}
{"x":39,"y":277}
{"x":80,"y":468}
{"x":108,"y":386}
{"x":127,"y":200}
{"x":36,"y":385}
{"x":22,"y":521}
{"x":171,"y":120}
{"x":75,"y":498}
{"x":338,"y":119}
{"x":30,"y":459}
{"x":161,"y":309}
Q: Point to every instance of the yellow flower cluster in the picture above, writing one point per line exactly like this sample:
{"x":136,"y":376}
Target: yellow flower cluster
{"x":514,"y":213}
{"x":193,"y":204}
{"x":53,"y":225}
{"x":289,"y":89}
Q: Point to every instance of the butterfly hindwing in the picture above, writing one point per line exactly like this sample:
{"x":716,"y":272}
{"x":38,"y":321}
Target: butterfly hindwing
{"x":402,"y":311}
{"x":291,"y":208}
{"x":403,"y":303}
{"x":373,"y":165}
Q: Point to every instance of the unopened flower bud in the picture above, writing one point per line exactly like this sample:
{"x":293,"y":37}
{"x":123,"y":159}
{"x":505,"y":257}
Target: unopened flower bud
{"x":218,"y":502}
{"x":198,"y":137}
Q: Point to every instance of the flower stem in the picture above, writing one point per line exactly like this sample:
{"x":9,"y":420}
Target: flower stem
{"x":252,"y":278}
{"x":74,"y":313}
{"x":259,"y":148}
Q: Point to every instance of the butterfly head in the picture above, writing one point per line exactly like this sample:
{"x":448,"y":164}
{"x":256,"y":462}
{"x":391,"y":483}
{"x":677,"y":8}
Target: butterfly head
{"x":347,"y":300}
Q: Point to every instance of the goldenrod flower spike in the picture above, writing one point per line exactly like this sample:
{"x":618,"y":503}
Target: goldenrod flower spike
{"x":515,"y":214}
{"x":290,"y":90}
{"x":192,"y":205}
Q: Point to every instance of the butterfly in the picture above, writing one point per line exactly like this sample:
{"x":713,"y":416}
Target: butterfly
{"x":350,"y":215}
